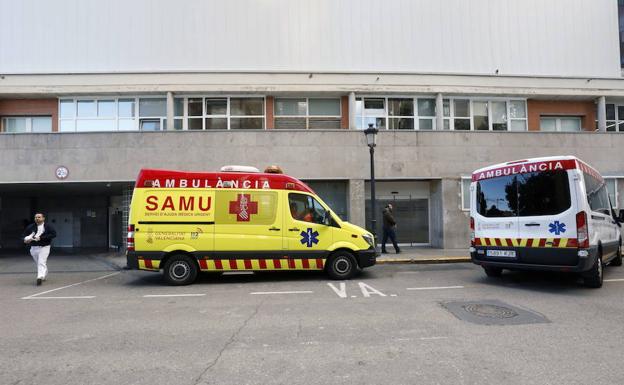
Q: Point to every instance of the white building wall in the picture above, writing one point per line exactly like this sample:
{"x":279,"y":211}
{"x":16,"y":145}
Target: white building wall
{"x":515,"y":37}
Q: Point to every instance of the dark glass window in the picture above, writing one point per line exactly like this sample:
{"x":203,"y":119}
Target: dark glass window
{"x":543,"y":193}
{"x":305,"y":208}
{"x":621,"y":23}
{"x":597,"y":194}
{"x":529,"y":194}
{"x":497,"y":197}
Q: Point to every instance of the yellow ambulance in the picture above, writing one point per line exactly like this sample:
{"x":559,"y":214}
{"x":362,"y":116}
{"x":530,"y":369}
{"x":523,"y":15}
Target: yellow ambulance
{"x":238,"y":219}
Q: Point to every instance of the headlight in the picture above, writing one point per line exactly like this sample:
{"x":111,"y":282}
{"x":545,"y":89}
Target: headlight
{"x":369,"y":239}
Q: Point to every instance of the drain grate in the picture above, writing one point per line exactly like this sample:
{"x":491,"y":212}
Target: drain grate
{"x":493,"y":312}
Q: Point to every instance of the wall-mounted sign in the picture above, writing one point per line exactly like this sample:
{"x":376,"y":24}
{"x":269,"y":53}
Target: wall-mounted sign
{"x":61,"y":172}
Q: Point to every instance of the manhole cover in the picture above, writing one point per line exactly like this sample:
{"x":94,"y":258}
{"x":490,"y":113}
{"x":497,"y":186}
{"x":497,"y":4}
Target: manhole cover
{"x":491,"y":311}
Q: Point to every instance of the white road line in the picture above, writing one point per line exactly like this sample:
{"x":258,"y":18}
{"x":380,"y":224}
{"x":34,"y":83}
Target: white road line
{"x":77,"y":297}
{"x":74,"y":284}
{"x":281,"y":292}
{"x":614,"y":280}
{"x":435,"y":288}
{"x":172,"y":295}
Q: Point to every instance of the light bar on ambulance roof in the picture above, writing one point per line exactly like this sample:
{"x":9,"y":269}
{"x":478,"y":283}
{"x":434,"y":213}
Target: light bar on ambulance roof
{"x":235,"y":168}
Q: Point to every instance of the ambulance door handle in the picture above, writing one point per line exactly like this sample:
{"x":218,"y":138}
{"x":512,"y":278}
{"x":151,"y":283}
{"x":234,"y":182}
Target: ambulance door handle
{"x":274,"y":229}
{"x":531,"y":224}
{"x":293,"y":229}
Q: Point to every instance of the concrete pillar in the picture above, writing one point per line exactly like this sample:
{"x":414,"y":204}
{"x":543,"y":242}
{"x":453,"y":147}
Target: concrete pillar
{"x":602,"y":114}
{"x":357,"y":201}
{"x":439,"y":112}
{"x":170,"y":114}
{"x":352,"y":124}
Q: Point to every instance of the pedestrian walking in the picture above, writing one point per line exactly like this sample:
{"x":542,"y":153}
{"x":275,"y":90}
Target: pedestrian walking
{"x":389,"y":229}
{"x":39,"y":236}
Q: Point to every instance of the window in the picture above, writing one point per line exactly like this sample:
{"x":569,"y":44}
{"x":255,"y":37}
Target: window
{"x":560,"y":123}
{"x":461,"y":114}
{"x":307,"y":113}
{"x":480,"y":116}
{"x":528,"y":194}
{"x":615,"y":118}
{"x":517,"y":115}
{"x":612,"y":190}
{"x":95,"y":114}
{"x":26,"y":124}
{"x":465,"y":192}
{"x":305,"y":208}
{"x":218,"y":113}
{"x":400,"y":114}
{"x":597,"y":194}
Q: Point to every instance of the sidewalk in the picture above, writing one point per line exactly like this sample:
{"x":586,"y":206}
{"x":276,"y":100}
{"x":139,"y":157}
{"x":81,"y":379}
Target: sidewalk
{"x":424,"y":255}
{"x":416,"y":255}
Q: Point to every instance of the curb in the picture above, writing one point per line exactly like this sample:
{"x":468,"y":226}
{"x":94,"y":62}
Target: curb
{"x":429,"y":260}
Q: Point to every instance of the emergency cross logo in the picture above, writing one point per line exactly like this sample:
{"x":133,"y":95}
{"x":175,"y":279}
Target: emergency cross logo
{"x":308,"y":237}
{"x":243,"y":207}
{"x":557,"y":227}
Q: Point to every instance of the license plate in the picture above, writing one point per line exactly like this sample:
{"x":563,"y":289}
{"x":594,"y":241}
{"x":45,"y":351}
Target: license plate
{"x":501,"y":253}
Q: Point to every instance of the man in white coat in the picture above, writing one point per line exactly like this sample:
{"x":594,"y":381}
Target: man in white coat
{"x":39,"y":236}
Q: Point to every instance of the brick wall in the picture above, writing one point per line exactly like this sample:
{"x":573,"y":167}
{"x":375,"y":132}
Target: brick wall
{"x":31,"y":107}
{"x":586,"y":110}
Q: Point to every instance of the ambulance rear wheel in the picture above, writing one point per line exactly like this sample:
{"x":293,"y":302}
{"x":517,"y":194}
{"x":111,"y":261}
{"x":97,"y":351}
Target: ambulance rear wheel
{"x":180,"y":270}
{"x":341,"y":265}
{"x":492,"y":271}
{"x":593,"y":278}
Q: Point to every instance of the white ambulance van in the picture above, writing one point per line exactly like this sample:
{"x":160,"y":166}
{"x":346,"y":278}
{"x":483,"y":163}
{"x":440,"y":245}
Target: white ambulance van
{"x":549,"y":213}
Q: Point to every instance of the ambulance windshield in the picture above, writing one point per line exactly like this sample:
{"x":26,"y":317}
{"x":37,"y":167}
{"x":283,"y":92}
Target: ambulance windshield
{"x":528,"y":194}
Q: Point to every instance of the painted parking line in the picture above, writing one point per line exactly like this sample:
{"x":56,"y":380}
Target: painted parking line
{"x":172,"y":295}
{"x":281,"y":292}
{"x":37,"y":296}
{"x":435,"y":288}
{"x":614,"y":280}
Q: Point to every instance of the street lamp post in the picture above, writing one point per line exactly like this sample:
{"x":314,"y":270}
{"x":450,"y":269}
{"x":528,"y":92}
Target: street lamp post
{"x":371,"y":141}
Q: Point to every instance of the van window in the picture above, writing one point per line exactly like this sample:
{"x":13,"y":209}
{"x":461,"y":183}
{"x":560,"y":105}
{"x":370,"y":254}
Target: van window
{"x":528,"y":194}
{"x":246,"y":207}
{"x":597,"y":194}
{"x":543,"y":193}
{"x":497,"y":197}
{"x":305,"y":208}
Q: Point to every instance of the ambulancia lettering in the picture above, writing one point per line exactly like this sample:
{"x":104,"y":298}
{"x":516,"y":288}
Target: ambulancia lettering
{"x":520,"y":169}
{"x":205,"y":183}
{"x":183,"y":203}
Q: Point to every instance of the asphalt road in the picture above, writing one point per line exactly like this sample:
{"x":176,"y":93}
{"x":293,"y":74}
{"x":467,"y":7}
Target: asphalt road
{"x":390,"y":325}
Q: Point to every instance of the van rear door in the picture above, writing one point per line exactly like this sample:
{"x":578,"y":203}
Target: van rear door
{"x":547,"y":208}
{"x":496,"y":223}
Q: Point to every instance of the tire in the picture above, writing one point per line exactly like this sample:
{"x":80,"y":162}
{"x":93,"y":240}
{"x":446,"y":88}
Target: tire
{"x":493,"y":272}
{"x":341,"y":265}
{"x":617,"y":260}
{"x":180,"y":270}
{"x":593,"y":278}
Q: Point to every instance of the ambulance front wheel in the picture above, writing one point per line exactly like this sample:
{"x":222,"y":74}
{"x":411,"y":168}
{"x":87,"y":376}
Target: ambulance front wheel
{"x":180,"y":270}
{"x":341,"y":265}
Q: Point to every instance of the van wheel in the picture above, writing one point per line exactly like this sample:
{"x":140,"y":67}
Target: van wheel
{"x":493,"y":272}
{"x":617,"y":260}
{"x":341,"y":265}
{"x":593,"y":278}
{"x":180,"y":270}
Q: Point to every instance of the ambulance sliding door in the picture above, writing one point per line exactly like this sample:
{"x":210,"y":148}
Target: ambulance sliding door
{"x":248,"y":221}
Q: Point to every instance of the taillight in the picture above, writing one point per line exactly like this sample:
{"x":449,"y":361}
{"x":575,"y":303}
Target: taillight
{"x":130,"y":238}
{"x":582,"y":230}
{"x":472,"y":232}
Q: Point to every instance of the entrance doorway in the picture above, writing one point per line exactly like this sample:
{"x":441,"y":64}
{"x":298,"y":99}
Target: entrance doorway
{"x":63,"y":222}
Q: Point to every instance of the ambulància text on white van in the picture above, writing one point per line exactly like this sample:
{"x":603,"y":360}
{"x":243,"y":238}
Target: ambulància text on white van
{"x":551,"y":213}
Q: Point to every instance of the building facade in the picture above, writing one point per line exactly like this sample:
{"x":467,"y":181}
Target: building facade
{"x":90,"y":92}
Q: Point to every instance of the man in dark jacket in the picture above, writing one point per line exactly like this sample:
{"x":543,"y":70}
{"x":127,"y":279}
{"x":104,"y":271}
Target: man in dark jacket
{"x":39,"y":236}
{"x":389,"y":229}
